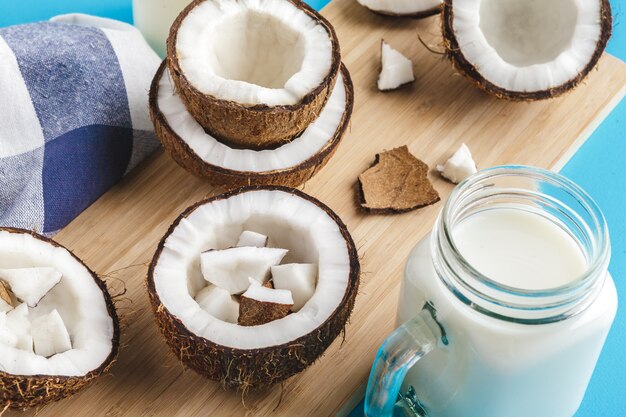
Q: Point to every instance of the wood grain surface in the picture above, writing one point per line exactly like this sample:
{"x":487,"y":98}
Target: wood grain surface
{"x":118,"y":234}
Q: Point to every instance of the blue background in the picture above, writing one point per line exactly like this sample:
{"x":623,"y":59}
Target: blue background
{"x":599,"y":167}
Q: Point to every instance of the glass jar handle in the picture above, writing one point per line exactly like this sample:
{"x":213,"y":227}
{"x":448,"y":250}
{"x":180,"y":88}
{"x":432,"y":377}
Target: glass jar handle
{"x":399,"y":352}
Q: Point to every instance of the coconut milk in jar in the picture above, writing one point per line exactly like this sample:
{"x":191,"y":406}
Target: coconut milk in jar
{"x":154,"y":19}
{"x":505,"y":305}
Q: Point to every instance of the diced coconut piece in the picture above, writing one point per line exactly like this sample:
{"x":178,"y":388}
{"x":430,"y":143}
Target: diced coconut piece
{"x":50,"y":335}
{"x":260,"y":304}
{"x":7,"y":337}
{"x":6,"y":304}
{"x":459,"y":166}
{"x":397,"y":70}
{"x":31,"y":284}
{"x":230,"y":268}
{"x":248,"y":238}
{"x":19,"y":324}
{"x":300,"y":279}
{"x":219,"y":303}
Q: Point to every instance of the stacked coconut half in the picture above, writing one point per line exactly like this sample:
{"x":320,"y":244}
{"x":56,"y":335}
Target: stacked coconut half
{"x":251,"y":92}
{"x":251,"y":287}
{"x":58,"y":326}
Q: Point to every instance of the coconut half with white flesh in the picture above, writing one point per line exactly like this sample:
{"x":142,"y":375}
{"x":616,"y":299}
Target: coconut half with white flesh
{"x":70,"y":336}
{"x":207,"y":157}
{"x":253,"y":73}
{"x":416,"y":9}
{"x":526,"y":50}
{"x":247,"y":357}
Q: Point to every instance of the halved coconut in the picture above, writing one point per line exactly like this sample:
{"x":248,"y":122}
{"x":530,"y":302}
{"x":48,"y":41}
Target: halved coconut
{"x":253,"y":73}
{"x":67,"y":340}
{"x":526,"y":50}
{"x":404,"y":8}
{"x":256,"y":356}
{"x":205,"y":156}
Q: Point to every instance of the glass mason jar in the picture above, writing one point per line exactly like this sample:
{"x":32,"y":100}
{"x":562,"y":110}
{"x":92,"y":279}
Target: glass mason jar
{"x":471,"y":346}
{"x":154,"y":19}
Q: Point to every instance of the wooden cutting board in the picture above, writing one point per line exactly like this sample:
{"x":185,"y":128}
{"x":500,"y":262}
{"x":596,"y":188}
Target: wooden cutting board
{"x":118,"y":234}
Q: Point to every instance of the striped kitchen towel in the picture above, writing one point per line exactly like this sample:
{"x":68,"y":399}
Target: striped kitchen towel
{"x":73,"y":116}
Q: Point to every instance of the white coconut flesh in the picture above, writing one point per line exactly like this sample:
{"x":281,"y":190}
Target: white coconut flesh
{"x":71,"y":318}
{"x":252,"y":51}
{"x":232,"y":268}
{"x":401,"y":7}
{"x":310,"y":142}
{"x":396,"y":69}
{"x":299,"y":279}
{"x":290,"y":222}
{"x":219,"y":303}
{"x":529,"y":45}
{"x":460,"y":165}
{"x":268,"y":295}
{"x":30,"y":284}
{"x":249,"y":238}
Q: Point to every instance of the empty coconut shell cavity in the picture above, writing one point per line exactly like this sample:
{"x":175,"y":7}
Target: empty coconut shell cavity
{"x":526,"y":50}
{"x":206,"y":156}
{"x":254,"y":74}
{"x":58,"y":326}
{"x":416,"y":9}
{"x":252,"y":286}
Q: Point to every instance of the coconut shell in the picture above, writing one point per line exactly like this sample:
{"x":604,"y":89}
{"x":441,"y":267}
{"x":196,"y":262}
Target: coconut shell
{"x":228,"y":178}
{"x":26,"y":391}
{"x":463,"y":66}
{"x":254,"y":312}
{"x":417,"y":15}
{"x":246,"y":369}
{"x":253,"y":126}
{"x":5,"y":295}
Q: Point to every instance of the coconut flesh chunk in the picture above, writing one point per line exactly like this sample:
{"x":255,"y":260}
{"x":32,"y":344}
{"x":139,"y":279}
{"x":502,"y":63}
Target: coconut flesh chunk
{"x":253,"y":52}
{"x":50,"y":335}
{"x":396,"y":71}
{"x":530,"y":46}
{"x":31,"y":284}
{"x":292,"y":222}
{"x":210,"y":150}
{"x":249,"y":238}
{"x":411,"y":8}
{"x":80,"y":304}
{"x":300,"y":279}
{"x":231,"y":268}
{"x":219,"y":303}
{"x":459,"y":166}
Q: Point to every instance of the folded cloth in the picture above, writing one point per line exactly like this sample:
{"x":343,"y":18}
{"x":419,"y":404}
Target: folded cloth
{"x":73,"y":116}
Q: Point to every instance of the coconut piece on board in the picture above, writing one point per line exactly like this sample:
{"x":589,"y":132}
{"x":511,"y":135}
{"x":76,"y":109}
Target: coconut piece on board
{"x":260,"y":304}
{"x":396,"y":69}
{"x":397,"y":182}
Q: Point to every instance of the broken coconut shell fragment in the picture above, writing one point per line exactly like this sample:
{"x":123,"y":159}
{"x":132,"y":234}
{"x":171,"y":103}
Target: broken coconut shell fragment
{"x":397,"y":182}
{"x":222,"y":165}
{"x":262,"y":304}
{"x":526,"y":50}
{"x":254,"y":74}
{"x":253,"y":357}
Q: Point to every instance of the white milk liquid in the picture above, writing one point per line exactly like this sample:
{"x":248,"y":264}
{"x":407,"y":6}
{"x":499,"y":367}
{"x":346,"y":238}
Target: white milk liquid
{"x":496,"y":368}
{"x":154,"y":19}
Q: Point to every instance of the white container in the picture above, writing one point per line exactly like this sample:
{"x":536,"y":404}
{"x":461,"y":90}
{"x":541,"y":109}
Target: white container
{"x":154,"y":19}
{"x":506,"y":304}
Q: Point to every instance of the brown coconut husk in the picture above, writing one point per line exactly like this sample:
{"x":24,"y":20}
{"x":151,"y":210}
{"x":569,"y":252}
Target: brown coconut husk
{"x":227,"y":178}
{"x":464,"y":67}
{"x":246,"y":369}
{"x":257,"y":126}
{"x":254,"y":312}
{"x":27,"y":391}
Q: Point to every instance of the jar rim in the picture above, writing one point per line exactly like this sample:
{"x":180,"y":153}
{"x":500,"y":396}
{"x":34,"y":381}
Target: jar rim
{"x":522,"y":298}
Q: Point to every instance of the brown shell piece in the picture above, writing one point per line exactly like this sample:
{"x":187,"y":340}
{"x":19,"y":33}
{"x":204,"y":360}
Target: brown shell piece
{"x":254,"y":312}
{"x":397,"y":182}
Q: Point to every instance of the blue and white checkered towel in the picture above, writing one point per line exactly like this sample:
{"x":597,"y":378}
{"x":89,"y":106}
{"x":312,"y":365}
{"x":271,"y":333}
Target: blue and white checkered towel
{"x":73,"y":116}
